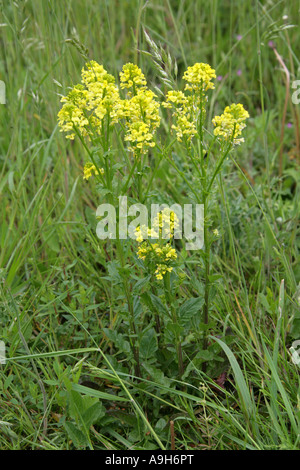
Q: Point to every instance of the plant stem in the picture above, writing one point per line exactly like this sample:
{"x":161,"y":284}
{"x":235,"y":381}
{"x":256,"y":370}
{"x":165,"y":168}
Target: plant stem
{"x":167,"y":280}
{"x":134,"y":347}
{"x":205,"y":192}
{"x":207,"y":272}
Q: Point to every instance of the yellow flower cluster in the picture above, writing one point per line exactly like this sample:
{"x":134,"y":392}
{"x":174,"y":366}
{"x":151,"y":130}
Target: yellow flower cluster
{"x":178,"y":98}
{"x":97,"y":98}
{"x":162,"y":256}
{"x":165,"y":223}
{"x":140,"y":137}
{"x":89,"y":169}
{"x":88,"y":103}
{"x":185,"y":127}
{"x":94,"y":105}
{"x":141,"y":110}
{"x":199,"y":77}
{"x":185,"y":114}
{"x":143,"y":106}
{"x":187,"y":108}
{"x":163,"y":226}
{"x":161,"y":270}
{"x":230,"y":124}
{"x":132,"y":76}
{"x":72,"y":114}
{"x":143,"y":232}
{"x":103,"y":94}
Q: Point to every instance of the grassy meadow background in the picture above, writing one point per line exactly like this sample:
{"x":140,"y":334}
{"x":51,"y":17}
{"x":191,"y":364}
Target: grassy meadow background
{"x":59,"y":296}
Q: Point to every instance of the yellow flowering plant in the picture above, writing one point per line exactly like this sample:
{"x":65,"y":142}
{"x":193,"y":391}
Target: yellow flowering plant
{"x":102,"y":115}
{"x":189,"y":125}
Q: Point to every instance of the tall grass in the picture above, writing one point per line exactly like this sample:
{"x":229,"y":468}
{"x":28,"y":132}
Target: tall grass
{"x":63,"y":375}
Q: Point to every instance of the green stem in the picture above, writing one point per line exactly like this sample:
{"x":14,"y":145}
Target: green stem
{"x":206,"y":193}
{"x":152,"y":176}
{"x":120,"y":254}
{"x":140,"y":176}
{"x":99,"y":175}
{"x":134,"y":346}
{"x":206,"y":256}
{"x":220,"y":163}
{"x":167,"y":282}
{"x":207,"y":273}
{"x":125,"y":187}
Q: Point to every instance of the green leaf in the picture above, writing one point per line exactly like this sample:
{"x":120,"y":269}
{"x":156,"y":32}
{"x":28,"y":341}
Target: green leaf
{"x":289,"y":406}
{"x":174,"y":329}
{"x":76,"y":405}
{"x":118,"y":340}
{"x":158,"y":306}
{"x":137,"y":306}
{"x":93,"y":413}
{"x":214,"y":277}
{"x":197,"y":361}
{"x":11,"y":183}
{"x":77,"y":436}
{"x":97,"y":393}
{"x":141,"y":282}
{"x":264,"y":301}
{"x":242,"y":387}
{"x":53,"y":242}
{"x":146,"y":300}
{"x":148,"y":344}
{"x":156,"y":375}
{"x":190,"y":308}
{"x":205,"y":355}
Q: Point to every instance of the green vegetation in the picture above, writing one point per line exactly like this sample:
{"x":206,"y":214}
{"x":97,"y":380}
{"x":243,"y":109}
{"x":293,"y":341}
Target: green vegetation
{"x":101,"y":353}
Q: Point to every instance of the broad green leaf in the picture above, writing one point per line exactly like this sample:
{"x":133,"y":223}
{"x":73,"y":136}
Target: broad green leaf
{"x":158,"y":306}
{"x":77,"y":436}
{"x":148,"y":344}
{"x":93,"y":413}
{"x":190,"y":308}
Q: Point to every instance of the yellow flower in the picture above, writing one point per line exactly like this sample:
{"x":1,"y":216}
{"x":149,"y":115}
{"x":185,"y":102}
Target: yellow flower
{"x":142,"y":119}
{"x":88,"y":103}
{"x":230,"y":124}
{"x":141,"y":110}
{"x":72,"y":114}
{"x":89,"y":169}
{"x":198,"y":77}
{"x":161,"y":270}
{"x":185,"y":128}
{"x":93,"y":73}
{"x":165,"y":223}
{"x":161,"y":255}
{"x":185,"y":114}
{"x":97,"y":99}
{"x":178,"y":98}
{"x":140,"y":137}
{"x":144,"y":107}
{"x":187,"y":109}
{"x":132,"y":76}
{"x":143,"y":233}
